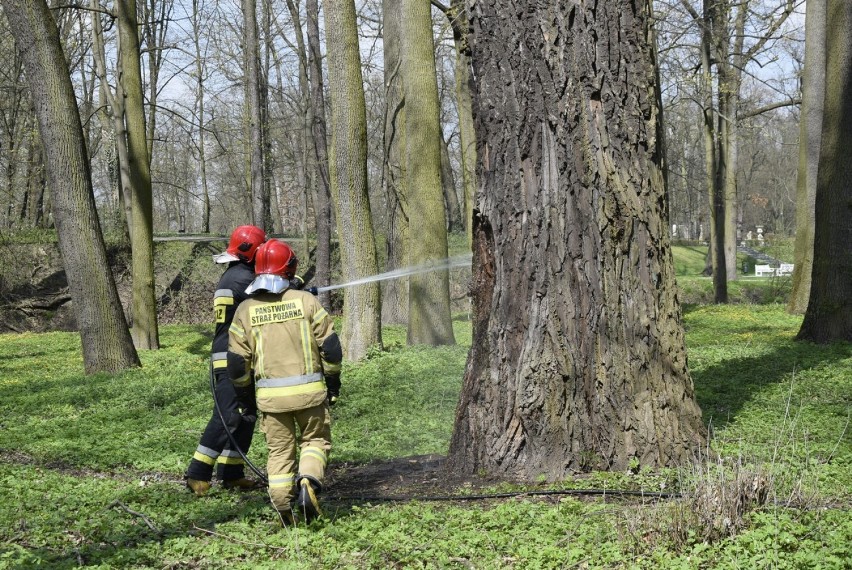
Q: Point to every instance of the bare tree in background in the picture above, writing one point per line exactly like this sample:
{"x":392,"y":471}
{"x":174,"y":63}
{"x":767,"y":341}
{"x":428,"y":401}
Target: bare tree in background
{"x":145,"y":330}
{"x":256,"y":170}
{"x":458,"y":18}
{"x":322,"y":200}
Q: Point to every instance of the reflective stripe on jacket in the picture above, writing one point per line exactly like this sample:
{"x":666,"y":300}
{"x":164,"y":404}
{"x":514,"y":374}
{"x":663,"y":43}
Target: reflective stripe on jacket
{"x":281,"y":335}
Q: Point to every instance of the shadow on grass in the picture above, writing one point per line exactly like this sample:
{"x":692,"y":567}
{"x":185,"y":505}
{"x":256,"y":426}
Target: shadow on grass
{"x":724,"y":388}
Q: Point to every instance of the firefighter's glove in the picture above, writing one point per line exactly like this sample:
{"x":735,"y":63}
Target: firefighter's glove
{"x":248,"y":416}
{"x":245,"y":397}
{"x":332,"y":384}
{"x":297,"y":282}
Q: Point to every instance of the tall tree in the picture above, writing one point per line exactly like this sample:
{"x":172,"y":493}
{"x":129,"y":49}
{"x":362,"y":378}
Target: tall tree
{"x":810,"y":131}
{"x":322,"y":199}
{"x":13,"y":118}
{"x":458,"y":19}
{"x":348,"y":169}
{"x":107,"y":345}
{"x":196,"y":19}
{"x":260,"y":200}
{"x":145,"y":330}
{"x":578,"y":358}
{"x":734,"y":35}
{"x":156,"y":15}
{"x":394,"y":291}
{"x":829,"y":314}
{"x":429,"y":316}
{"x":113,"y":108}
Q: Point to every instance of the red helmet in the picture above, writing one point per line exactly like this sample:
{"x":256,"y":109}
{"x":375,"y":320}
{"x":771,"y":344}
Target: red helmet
{"x":276,"y":258}
{"x":243,"y":245}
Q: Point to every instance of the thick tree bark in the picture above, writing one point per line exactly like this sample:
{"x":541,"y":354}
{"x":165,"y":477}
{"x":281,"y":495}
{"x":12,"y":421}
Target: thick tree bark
{"x":829,"y":314}
{"x":107,"y":345}
{"x":429,"y":316}
{"x":348,"y":168}
{"x":578,"y":358}
{"x":810,"y":132}
{"x":145,"y":330}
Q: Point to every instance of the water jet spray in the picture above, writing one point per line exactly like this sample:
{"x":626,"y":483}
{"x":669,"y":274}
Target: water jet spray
{"x":462,"y":260}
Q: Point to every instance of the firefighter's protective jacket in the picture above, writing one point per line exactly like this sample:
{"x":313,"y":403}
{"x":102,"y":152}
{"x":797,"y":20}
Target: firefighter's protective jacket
{"x":288,"y":340}
{"x":230,"y":292}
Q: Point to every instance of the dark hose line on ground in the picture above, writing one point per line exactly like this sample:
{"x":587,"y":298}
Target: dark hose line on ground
{"x":260,"y":474}
{"x":486,"y":496}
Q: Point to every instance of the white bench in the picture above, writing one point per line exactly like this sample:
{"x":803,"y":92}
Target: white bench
{"x":767,"y":270}
{"x":763,"y":270}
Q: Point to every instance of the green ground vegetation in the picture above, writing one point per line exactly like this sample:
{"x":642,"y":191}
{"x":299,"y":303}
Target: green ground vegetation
{"x":91,"y":466}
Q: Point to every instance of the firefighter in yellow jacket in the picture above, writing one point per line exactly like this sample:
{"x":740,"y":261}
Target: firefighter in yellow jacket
{"x":287,"y":339}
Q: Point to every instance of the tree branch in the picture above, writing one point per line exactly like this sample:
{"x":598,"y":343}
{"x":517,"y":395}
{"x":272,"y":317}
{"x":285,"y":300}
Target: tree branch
{"x":104,"y":11}
{"x":769,"y":107}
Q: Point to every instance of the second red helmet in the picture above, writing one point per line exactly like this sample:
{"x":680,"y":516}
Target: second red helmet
{"x":275,"y":257}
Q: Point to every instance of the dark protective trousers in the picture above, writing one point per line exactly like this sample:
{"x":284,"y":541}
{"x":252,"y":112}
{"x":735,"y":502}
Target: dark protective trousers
{"x":215,"y":447}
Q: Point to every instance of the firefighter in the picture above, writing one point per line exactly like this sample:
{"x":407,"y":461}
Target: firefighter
{"x":215,"y":449}
{"x":285,"y":339}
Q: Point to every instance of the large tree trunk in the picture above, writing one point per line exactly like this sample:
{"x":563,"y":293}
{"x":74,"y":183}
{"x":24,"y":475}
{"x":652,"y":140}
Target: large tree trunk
{"x":394,"y":291}
{"x":361,"y":304}
{"x":829,"y":314}
{"x":578,"y":358}
{"x":322,"y":199}
{"x":145,"y":330}
{"x":107,"y":345}
{"x":429,"y":316}
{"x":810,"y":132}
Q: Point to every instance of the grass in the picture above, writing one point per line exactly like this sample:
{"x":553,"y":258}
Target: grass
{"x":91,"y":466}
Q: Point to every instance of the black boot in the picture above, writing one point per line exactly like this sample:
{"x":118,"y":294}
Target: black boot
{"x":307,"y":504}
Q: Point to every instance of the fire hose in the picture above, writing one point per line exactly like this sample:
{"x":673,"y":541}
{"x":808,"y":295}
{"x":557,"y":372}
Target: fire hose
{"x":234,"y":445}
